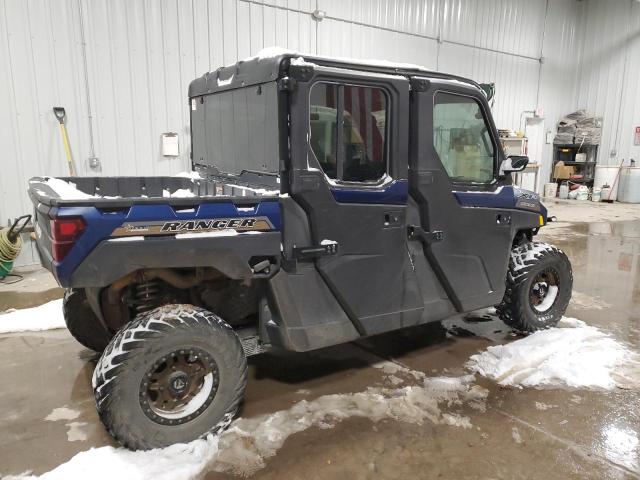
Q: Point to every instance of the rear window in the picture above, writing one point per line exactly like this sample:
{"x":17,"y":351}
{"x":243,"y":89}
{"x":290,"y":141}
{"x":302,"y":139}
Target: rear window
{"x":357,"y":151}
{"x":236,"y":130}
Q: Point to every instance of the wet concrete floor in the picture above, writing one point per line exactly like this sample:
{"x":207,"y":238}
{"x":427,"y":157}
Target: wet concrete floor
{"x":522,"y":433}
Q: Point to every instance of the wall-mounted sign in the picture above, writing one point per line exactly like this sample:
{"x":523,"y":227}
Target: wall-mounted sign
{"x":636,"y":138}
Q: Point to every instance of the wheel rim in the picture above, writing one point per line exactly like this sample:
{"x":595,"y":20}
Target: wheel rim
{"x":179,"y":386}
{"x":544,"y":290}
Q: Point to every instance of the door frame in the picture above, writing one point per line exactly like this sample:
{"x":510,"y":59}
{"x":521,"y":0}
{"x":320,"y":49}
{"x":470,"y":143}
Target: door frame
{"x":318,"y":196}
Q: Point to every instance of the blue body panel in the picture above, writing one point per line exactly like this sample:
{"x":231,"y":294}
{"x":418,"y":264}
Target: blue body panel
{"x":100,"y":224}
{"x":396,"y":193}
{"x":507,"y":197}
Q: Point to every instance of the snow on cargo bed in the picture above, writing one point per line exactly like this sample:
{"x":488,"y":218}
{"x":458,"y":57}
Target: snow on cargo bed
{"x":183,"y":185}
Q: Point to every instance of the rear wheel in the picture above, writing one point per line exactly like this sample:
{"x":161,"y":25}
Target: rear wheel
{"x":171,"y":375}
{"x":539,"y":283}
{"x":82,"y":322}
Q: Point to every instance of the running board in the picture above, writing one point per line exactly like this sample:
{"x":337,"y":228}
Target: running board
{"x":250,"y":341}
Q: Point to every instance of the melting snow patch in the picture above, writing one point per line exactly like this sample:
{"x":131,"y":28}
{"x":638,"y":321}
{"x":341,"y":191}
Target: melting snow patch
{"x":516,"y":435}
{"x":76,"y":432}
{"x":574,"y":355}
{"x":243,"y":448}
{"x":62,"y":413}
{"x":43,"y":317}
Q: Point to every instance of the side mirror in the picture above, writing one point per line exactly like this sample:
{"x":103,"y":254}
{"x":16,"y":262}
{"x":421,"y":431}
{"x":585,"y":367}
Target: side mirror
{"x":514,"y":163}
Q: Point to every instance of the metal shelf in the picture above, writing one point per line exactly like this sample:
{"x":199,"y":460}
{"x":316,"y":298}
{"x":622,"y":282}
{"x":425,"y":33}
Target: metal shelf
{"x":578,"y":163}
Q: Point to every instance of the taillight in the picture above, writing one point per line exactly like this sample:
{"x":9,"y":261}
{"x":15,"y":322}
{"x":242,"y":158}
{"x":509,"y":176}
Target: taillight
{"x":64,"y":232}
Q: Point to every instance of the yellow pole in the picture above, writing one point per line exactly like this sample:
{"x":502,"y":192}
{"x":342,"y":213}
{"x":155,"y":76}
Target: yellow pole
{"x":67,"y":149}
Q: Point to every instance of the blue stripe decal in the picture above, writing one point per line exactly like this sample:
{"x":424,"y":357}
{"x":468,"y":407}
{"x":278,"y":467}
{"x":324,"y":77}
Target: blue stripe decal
{"x":396,"y":193}
{"x":100,"y":224}
{"x":503,"y":198}
{"x":506,"y":197}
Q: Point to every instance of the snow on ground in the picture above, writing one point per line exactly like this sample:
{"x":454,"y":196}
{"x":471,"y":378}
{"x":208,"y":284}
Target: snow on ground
{"x":43,"y":317}
{"x":62,"y":413}
{"x":574,"y":354}
{"x":244,"y":447}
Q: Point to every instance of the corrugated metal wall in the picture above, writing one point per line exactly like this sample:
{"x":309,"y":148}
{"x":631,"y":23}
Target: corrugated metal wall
{"x":130,"y":83}
{"x":609,"y":76}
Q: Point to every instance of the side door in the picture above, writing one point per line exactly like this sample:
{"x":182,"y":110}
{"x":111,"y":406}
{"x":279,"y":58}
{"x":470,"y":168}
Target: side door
{"x":454,"y":180}
{"x":349,"y":143}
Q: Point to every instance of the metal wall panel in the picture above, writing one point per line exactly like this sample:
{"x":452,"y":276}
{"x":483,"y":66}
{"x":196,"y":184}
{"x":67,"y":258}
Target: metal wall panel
{"x":340,"y":38}
{"x":142,"y":54}
{"x":608,"y":75}
{"x":516,"y":79}
{"x":561,"y":49}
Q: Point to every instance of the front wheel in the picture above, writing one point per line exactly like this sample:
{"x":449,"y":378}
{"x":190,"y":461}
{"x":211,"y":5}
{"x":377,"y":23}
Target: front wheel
{"x":171,"y":375}
{"x":538,"y":290}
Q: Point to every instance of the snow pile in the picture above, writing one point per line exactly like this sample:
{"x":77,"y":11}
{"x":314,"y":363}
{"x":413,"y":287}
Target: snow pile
{"x":574,"y":355}
{"x":243,"y":448}
{"x":65,"y":190}
{"x":179,"y":193}
{"x":180,"y":461}
{"x":44,"y":317}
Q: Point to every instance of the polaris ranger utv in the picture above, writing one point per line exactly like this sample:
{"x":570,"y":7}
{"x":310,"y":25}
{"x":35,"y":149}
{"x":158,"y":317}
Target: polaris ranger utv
{"x":331,"y":200}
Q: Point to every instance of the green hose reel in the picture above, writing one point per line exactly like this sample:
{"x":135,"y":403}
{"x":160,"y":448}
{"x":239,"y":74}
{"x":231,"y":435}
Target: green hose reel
{"x":11,"y":244}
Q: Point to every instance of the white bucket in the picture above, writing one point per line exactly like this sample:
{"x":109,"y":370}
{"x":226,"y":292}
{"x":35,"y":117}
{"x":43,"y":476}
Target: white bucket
{"x":550,"y":190}
{"x":606,"y":175}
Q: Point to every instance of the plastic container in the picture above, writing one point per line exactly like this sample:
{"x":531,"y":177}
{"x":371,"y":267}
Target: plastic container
{"x":595,"y":195}
{"x":606,"y":175}
{"x":629,"y":185}
{"x":605,"y":193}
{"x":583,"y":193}
{"x":551,"y":190}
{"x":564,"y":191}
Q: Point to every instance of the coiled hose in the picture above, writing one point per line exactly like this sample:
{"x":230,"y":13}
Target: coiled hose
{"x":11,"y":244}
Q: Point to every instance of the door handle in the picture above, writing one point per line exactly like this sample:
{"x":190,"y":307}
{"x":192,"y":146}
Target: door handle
{"x":393,"y":219}
{"x":415,"y":232}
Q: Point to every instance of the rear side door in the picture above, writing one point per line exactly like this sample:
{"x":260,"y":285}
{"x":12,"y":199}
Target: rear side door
{"x":349,"y":143}
{"x":463,"y":204}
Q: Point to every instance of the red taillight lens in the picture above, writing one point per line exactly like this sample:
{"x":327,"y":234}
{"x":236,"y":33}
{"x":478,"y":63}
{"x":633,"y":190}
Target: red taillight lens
{"x":64,"y":232}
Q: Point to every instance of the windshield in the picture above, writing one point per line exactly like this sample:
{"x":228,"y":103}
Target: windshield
{"x":236,"y":130}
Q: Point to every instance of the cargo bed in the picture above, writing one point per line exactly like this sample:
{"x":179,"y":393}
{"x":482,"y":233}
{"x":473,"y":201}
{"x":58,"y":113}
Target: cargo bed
{"x":119,"y":192}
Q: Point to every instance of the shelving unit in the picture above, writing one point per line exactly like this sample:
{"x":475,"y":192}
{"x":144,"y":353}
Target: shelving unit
{"x":567,"y":154}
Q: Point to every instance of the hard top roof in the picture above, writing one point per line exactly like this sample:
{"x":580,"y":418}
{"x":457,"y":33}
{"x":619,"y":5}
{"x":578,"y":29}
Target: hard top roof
{"x":269,"y":65}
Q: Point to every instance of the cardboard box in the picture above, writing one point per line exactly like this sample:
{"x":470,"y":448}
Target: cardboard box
{"x":562,"y":171}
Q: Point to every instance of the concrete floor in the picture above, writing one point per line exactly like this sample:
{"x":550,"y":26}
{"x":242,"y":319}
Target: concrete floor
{"x":575,"y":434}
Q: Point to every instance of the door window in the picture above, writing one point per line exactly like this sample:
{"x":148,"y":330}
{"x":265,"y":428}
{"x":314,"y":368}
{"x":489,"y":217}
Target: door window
{"x":462,"y":140}
{"x":357,"y":151}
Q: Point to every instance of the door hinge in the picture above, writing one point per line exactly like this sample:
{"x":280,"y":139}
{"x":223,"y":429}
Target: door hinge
{"x":286,"y":84}
{"x":415,"y":232}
